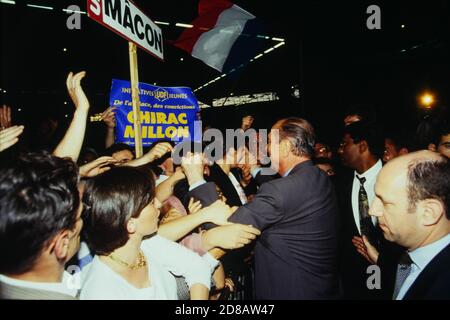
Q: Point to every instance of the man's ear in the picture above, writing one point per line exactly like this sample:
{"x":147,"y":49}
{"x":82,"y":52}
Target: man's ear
{"x":432,"y":147}
{"x":403,"y":151}
{"x":132,"y":226}
{"x":430,"y":211}
{"x":61,"y":244}
{"x":285,"y":148}
{"x":363,"y":146}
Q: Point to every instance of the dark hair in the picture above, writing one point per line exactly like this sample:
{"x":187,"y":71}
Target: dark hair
{"x":429,"y":179}
{"x":443,"y":130}
{"x":117,"y":147}
{"x":323,"y":161}
{"x":114,"y":197}
{"x":38,"y":198}
{"x":300,"y":133}
{"x":399,"y":139}
{"x":369,"y":132}
{"x":364,"y":111}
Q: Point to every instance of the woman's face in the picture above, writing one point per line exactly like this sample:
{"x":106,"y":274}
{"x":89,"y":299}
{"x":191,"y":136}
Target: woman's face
{"x":148,"y":219}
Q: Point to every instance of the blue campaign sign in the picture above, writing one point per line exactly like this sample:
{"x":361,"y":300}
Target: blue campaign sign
{"x":167,"y":113}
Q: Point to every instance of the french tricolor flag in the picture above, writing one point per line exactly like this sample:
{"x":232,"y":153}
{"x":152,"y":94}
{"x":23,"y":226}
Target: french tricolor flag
{"x":224,"y":36}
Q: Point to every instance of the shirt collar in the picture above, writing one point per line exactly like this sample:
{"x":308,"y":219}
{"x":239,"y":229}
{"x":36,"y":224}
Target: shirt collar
{"x":287,"y":172}
{"x":423,"y":255}
{"x":63,"y":287}
{"x":372,"y":172}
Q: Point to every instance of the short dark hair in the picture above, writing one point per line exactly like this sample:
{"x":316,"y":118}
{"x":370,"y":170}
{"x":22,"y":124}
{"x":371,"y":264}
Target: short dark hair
{"x":117,"y":147}
{"x":443,"y":130}
{"x":369,"y":132}
{"x":301,"y":135}
{"x":399,"y":139}
{"x":364,"y":111}
{"x":323,"y":161}
{"x":429,"y":179}
{"x":38,"y":198}
{"x":115,"y":197}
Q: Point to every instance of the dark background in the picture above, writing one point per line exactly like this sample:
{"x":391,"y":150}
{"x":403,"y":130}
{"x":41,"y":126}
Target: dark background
{"x":329,"y":53}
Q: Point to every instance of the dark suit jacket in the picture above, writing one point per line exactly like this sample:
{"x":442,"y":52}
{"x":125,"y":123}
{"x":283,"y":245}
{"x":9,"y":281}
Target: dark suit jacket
{"x":433,"y":283}
{"x":296,"y":254}
{"x":353,"y":266}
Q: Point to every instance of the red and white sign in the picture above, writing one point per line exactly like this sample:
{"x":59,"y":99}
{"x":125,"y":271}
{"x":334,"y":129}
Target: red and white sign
{"x":126,"y":19}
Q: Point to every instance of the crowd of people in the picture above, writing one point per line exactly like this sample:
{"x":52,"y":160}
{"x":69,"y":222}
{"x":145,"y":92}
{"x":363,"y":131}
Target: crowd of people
{"x":77,"y":223}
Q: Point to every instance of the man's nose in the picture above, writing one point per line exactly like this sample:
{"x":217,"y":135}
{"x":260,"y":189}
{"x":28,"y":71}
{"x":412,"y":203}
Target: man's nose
{"x":376,"y":209}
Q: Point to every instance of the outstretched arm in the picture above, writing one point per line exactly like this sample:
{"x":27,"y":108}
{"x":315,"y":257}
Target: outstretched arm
{"x":157,"y":152}
{"x":70,"y":145}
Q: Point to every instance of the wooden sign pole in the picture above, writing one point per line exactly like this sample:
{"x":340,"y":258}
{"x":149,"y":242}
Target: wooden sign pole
{"x":135,"y":96}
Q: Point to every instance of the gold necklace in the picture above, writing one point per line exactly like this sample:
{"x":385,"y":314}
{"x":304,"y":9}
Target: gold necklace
{"x":141,"y":261}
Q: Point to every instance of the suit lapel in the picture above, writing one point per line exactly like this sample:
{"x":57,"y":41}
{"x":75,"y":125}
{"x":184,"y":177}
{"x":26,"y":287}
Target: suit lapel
{"x":429,"y":275}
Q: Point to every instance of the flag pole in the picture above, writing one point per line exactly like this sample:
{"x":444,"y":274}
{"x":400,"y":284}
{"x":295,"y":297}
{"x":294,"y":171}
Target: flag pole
{"x":134,"y":75}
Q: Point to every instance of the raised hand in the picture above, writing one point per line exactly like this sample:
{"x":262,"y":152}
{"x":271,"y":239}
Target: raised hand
{"x":192,"y":165}
{"x":97,"y":167}
{"x":9,"y":137}
{"x":5,"y":117}
{"x":76,"y":92}
{"x":247,"y":122}
{"x":159,"y":150}
{"x":109,"y":117}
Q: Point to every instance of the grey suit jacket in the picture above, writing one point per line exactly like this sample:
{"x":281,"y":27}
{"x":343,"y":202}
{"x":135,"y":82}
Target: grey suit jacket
{"x":9,"y":292}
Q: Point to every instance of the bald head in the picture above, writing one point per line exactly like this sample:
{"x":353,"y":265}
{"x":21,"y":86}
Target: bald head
{"x":413,"y":198}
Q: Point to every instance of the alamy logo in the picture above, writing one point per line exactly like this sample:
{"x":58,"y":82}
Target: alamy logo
{"x":74,"y":20}
{"x":374,"y":20}
{"x":374,"y":280}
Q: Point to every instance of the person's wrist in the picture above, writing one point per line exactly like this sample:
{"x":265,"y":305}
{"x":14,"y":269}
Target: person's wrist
{"x":80,"y":112}
{"x":194,"y":178}
{"x":206,"y":244}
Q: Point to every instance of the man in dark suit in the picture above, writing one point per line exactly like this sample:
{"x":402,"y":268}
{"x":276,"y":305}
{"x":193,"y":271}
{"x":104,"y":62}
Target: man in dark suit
{"x":360,"y":150}
{"x":40,"y":224}
{"x":296,"y":255}
{"x":412,"y":206}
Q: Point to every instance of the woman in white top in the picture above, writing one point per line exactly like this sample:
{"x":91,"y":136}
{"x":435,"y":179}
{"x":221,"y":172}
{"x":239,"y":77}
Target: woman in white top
{"x":122,"y":212}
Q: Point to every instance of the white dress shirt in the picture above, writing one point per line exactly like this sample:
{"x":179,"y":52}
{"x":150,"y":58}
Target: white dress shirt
{"x":421,"y":257}
{"x":163,"y":257}
{"x":66,"y":286}
{"x":237,"y":186}
{"x":369,"y":186}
